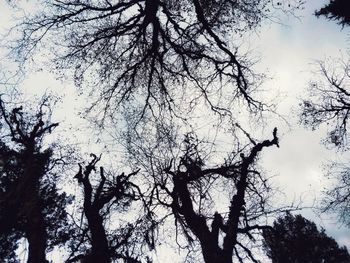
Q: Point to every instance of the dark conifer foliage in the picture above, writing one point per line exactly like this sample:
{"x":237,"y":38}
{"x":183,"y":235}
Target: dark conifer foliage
{"x":338,"y":10}
{"x":296,"y":239}
{"x":30,"y":205}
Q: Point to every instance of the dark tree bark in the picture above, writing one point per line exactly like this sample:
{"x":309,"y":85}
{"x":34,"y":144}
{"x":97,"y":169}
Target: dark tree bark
{"x":100,"y":249}
{"x":99,"y":244}
{"x":26,"y":196}
{"x":32,"y":210}
{"x":35,"y":228}
{"x":95,"y":199}
{"x":22,"y":180}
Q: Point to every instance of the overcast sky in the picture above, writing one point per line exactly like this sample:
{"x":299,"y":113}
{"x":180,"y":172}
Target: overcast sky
{"x":288,"y":52}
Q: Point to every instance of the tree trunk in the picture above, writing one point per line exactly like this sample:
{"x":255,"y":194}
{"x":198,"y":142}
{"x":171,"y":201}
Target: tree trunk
{"x":100,"y":249}
{"x":212,"y":253}
{"x":35,"y":227}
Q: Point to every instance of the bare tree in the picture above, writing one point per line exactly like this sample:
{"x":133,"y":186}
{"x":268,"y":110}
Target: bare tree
{"x":329,"y":105}
{"x":102,"y":197}
{"x":337,"y":196}
{"x":329,"y":102}
{"x":156,"y":55}
{"x":222,"y":208}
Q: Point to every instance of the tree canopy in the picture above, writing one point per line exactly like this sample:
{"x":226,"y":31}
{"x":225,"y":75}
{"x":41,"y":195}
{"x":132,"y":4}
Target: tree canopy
{"x":34,"y":207}
{"x":328,"y":105}
{"x":218,"y":208}
{"x":293,"y":238}
{"x":112,"y":193}
{"x":155,"y":57}
{"x":249,"y":194}
{"x":156,"y":70}
{"x":336,"y":10}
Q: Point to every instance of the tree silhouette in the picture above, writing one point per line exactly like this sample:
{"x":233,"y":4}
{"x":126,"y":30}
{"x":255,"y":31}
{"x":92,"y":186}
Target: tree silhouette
{"x":161,"y":59}
{"x":189,"y":189}
{"x":30,"y":205}
{"x":108,"y":195}
{"x":329,"y":102}
{"x":157,"y":55}
{"x":296,"y":239}
{"x":337,"y":197}
{"x":336,"y":10}
{"x":329,"y":105}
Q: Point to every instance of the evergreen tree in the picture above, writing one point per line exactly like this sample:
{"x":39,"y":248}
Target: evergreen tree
{"x":30,"y":205}
{"x":336,"y":10}
{"x":296,"y":239}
